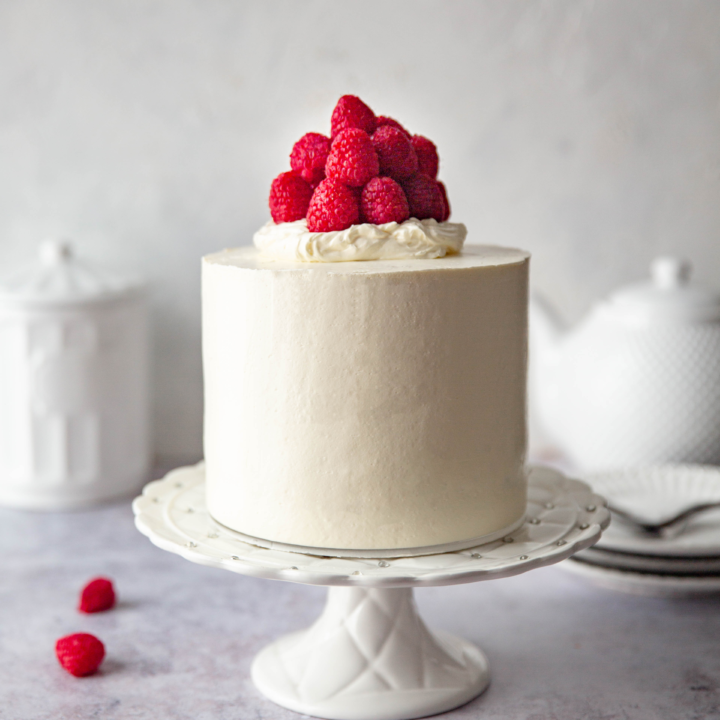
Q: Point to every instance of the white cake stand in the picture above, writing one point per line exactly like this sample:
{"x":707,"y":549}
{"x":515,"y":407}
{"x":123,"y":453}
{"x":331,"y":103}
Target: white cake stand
{"x":370,"y":655}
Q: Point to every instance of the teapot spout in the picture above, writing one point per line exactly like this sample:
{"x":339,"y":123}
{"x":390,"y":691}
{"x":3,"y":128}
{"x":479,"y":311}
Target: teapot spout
{"x":546,"y":329}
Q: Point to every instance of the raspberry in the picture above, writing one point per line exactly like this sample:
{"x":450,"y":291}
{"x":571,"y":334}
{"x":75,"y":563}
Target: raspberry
{"x":352,"y":112}
{"x":356,"y":191}
{"x":395,"y":152}
{"x":352,"y":159}
{"x":446,"y":202}
{"x":427,"y":155}
{"x":383,"y":120}
{"x":424,"y":197}
{"x":357,"y":194}
{"x":384,"y":201}
{"x":333,"y":207}
{"x":289,"y":197}
{"x":97,"y":595}
{"x":308,"y":157}
{"x":80,"y":654}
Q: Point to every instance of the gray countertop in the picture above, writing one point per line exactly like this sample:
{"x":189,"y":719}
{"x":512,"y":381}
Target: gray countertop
{"x":182,"y":637}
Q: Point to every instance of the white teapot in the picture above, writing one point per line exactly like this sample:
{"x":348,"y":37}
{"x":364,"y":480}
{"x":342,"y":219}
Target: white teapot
{"x":638,"y":380}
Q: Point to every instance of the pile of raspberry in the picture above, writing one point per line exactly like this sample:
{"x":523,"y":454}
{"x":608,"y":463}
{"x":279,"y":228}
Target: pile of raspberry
{"x":370,"y":169}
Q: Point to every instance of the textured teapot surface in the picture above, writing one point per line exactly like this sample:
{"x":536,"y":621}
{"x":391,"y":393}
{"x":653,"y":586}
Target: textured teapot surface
{"x":638,"y":381}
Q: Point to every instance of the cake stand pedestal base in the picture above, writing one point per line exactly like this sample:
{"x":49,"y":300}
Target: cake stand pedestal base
{"x":370,"y":655}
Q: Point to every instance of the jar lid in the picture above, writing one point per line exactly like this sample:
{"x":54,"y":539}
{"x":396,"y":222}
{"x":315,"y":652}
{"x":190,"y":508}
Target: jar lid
{"x":669,"y":295}
{"x":57,"y":277}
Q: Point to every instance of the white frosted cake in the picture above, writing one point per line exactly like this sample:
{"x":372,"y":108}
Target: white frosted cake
{"x":364,"y":375}
{"x":366,"y":405}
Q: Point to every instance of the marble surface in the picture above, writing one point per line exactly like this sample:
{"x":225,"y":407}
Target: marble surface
{"x":181,"y":639}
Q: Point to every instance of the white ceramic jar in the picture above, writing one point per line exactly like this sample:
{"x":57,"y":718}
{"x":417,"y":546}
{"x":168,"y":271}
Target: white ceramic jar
{"x":74,"y":421}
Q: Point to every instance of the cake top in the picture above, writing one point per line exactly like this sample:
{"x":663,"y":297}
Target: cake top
{"x":473,"y":256}
{"x":370,"y":173}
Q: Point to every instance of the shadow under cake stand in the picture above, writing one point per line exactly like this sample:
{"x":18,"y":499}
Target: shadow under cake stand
{"x":370,"y":655}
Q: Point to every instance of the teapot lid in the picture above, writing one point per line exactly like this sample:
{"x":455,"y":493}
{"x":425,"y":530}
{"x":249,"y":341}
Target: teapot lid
{"x":58,"y":277}
{"x":669,"y":295}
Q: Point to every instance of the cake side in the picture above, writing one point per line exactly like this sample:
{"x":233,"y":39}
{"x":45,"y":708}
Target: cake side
{"x":366,"y":405}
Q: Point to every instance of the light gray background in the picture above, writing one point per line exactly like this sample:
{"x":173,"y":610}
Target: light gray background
{"x":149,"y":131}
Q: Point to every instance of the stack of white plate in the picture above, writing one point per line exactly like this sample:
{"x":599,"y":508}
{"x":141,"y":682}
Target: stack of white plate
{"x":627,"y":560}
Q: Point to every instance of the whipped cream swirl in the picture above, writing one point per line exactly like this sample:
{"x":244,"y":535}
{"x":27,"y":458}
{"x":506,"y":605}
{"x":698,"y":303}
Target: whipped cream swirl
{"x":391,"y":241}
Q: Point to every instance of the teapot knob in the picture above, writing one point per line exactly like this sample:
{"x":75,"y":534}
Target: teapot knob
{"x":54,"y":252}
{"x":670,"y":272}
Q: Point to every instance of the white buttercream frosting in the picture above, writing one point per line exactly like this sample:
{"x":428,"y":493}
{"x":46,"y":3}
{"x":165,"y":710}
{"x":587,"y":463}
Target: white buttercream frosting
{"x":374,"y":405}
{"x":412,"y":239}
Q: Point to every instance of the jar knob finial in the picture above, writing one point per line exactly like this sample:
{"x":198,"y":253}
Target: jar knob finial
{"x":55,"y":251}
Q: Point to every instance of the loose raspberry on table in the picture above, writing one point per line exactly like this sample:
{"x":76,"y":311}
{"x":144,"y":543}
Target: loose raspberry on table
{"x":395,"y":153}
{"x":383,"y":120}
{"x":352,"y":159}
{"x":427,"y":155}
{"x":309,"y":155}
{"x":80,"y":654}
{"x":352,"y":112}
{"x":446,"y":202}
{"x":333,"y":207}
{"x":289,"y":197}
{"x":384,"y":201}
{"x":97,"y":595}
{"x":424,"y":197}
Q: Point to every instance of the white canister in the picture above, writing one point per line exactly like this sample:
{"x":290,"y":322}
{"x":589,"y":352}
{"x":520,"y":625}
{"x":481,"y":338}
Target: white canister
{"x":74,"y":364}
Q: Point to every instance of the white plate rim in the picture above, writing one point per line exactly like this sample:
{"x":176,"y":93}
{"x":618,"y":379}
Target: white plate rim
{"x":647,"y":584}
{"x":697,"y":483}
